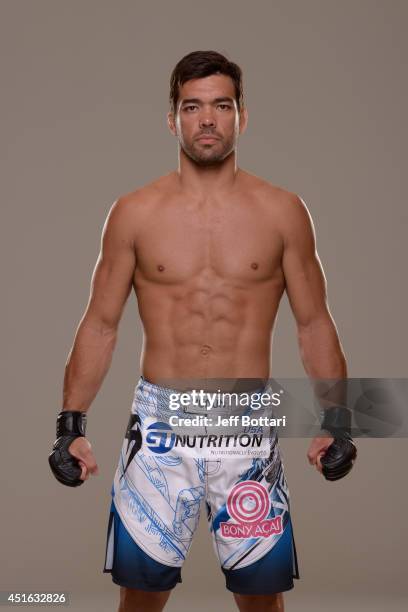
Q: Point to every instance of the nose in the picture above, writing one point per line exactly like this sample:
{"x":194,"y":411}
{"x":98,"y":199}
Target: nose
{"x":207,"y":119}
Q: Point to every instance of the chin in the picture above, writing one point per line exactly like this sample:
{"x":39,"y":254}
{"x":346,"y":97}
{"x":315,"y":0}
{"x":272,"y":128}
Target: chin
{"x":209,"y":160}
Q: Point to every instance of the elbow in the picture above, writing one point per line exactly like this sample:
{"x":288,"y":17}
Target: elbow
{"x":314,"y":326}
{"x":100,"y":325}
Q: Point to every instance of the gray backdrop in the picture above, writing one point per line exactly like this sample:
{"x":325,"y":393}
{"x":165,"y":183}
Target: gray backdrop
{"x":84,"y":90}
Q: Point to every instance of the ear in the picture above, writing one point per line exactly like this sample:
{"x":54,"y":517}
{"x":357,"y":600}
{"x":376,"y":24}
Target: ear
{"x":243,"y":120}
{"x":171,"y":123}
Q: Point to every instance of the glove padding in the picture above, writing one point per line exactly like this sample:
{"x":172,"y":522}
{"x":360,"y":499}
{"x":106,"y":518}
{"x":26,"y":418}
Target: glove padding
{"x":71,"y":424}
{"x":65,"y":466}
{"x":338,"y":459}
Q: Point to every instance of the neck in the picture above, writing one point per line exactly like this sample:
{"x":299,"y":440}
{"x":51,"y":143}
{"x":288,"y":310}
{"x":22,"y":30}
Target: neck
{"x":205,"y":180}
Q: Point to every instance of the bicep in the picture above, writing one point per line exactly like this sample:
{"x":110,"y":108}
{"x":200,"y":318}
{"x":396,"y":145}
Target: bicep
{"x":113,"y":273}
{"x":304,"y":276}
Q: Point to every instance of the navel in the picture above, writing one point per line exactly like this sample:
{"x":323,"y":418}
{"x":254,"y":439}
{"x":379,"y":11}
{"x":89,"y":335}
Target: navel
{"x":205,"y":349}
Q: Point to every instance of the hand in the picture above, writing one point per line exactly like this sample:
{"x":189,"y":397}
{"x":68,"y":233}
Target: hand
{"x":81,"y":449}
{"x":317,"y":449}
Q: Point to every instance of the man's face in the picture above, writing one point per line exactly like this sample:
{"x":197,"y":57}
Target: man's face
{"x":207,"y":122}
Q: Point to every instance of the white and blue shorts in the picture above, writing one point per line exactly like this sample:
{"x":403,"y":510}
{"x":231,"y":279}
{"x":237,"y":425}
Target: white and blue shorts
{"x":160,"y":482}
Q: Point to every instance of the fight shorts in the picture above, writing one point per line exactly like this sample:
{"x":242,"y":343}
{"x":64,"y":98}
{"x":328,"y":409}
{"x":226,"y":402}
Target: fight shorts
{"x":160,"y":481}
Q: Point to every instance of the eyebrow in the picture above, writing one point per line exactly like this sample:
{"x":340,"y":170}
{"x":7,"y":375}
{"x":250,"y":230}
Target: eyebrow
{"x":198,"y":101}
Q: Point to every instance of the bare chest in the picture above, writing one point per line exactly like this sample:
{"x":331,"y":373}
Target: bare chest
{"x":236,"y":243}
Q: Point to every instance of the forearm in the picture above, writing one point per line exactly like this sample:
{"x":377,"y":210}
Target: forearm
{"x":320,"y":350}
{"x":87,"y":364}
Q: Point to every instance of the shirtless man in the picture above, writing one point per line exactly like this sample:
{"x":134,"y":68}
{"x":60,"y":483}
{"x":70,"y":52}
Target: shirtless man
{"x":209,"y":250}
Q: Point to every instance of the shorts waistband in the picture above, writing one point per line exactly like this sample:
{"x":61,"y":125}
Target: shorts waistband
{"x":154,"y":387}
{"x":161,"y":396}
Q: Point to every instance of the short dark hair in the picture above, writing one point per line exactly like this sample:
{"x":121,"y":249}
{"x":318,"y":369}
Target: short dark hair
{"x":199,"y":64}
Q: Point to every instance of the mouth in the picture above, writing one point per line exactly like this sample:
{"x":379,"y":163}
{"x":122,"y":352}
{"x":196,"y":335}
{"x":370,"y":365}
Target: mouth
{"x":207,"y":139}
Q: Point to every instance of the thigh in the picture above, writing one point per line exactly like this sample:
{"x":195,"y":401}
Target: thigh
{"x":130,"y":566}
{"x":249,"y":515}
{"x":156,"y":497}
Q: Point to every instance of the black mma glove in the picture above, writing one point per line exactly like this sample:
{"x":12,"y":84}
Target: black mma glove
{"x":71,"y":424}
{"x":338,"y":459}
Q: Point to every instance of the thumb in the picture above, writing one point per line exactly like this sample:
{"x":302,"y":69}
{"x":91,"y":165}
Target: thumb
{"x":84,"y":472}
{"x":318,"y":462}
{"x":88,"y":459}
{"x":81,"y":450}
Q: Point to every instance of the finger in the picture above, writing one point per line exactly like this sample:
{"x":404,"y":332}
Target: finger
{"x":311,"y":458}
{"x":86,"y":459}
{"x":84,"y":471}
{"x":92,"y":467}
{"x":319,"y":466}
{"x":94,"y":470}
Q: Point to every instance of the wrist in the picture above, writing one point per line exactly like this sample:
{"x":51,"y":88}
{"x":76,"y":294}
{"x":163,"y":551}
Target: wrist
{"x":71,"y":423}
{"x":336,"y":420}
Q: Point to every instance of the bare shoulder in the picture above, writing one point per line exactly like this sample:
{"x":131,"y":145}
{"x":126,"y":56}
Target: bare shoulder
{"x":286,"y":211}
{"x":271,"y":194}
{"x":130,"y":209}
{"x":291,"y":211}
{"x":146,"y":194}
{"x":287,"y":208}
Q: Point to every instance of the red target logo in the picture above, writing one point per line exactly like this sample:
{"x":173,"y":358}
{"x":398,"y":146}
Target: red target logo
{"x":248,"y":502}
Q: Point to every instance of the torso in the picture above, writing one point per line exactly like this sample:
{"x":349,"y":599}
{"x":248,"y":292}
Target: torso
{"x":208,"y":279}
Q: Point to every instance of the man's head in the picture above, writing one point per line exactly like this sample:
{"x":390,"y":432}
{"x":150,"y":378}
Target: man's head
{"x":206,"y":99}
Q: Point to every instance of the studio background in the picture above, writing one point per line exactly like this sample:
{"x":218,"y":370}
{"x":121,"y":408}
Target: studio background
{"x":83,"y":111}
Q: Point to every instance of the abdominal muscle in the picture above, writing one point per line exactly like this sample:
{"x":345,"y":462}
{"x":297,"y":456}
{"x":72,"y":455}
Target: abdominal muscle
{"x":199,"y":330}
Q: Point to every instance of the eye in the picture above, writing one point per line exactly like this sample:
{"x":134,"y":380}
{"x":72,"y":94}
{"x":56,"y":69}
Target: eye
{"x":224,"y":106}
{"x":189,"y":107}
